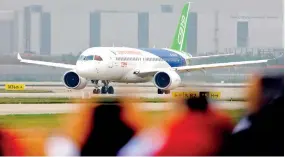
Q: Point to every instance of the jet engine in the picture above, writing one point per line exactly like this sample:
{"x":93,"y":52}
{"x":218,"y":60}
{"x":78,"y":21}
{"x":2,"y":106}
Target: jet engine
{"x":166,"y":80}
{"x":73,"y":81}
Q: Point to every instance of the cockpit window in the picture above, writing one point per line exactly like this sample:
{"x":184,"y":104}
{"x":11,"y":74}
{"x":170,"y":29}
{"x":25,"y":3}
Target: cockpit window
{"x":97,"y":58}
{"x":81,"y":57}
{"x":88,"y":58}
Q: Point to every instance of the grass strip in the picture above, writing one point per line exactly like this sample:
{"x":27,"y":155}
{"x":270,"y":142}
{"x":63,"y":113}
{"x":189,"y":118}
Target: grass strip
{"x":53,"y":120}
{"x":30,"y":120}
{"x":35,"y":100}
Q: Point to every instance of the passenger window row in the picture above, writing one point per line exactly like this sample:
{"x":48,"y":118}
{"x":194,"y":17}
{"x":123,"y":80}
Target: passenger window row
{"x":98,"y":58}
{"x":137,"y":59}
{"x":146,"y":59}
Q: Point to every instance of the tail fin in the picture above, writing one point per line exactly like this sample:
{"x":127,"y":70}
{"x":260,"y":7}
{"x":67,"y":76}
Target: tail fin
{"x":180,"y":38}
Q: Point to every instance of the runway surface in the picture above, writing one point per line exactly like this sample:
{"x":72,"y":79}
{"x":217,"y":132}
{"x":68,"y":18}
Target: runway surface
{"x":234,"y":91}
{"x":151,"y":92}
{"x":9,"y":109}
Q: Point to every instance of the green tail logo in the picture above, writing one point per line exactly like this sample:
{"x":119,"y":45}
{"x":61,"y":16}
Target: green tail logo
{"x":180,"y":38}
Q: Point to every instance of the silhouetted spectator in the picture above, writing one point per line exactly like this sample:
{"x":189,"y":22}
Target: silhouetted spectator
{"x":102,"y":130}
{"x":109,"y":132}
{"x":200,"y":131}
{"x":261,"y":132}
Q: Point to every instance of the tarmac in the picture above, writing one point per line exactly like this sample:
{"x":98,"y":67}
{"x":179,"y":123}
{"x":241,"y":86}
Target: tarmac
{"x":149,"y":91}
{"x":10,"y":109}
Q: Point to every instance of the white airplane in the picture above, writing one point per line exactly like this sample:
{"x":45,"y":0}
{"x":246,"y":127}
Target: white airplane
{"x":133,"y":65}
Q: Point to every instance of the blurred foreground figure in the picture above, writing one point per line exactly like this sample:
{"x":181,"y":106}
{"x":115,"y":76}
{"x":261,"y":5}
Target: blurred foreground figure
{"x":261,"y":131}
{"x":98,"y":131}
{"x":199,"y":131}
{"x":109,"y":132}
{"x":10,"y":144}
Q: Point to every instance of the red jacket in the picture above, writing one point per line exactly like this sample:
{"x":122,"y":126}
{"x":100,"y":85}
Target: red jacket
{"x":10,"y":144}
{"x":196,"y":134}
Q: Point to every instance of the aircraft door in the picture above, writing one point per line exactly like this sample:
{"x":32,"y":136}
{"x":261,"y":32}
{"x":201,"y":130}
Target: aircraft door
{"x":141,"y":64}
{"x":111,"y":62}
{"x":115,"y":70}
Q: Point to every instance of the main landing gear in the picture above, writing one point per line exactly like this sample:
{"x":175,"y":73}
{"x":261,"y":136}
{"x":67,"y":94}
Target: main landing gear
{"x":106,"y":89}
{"x":160,"y":91}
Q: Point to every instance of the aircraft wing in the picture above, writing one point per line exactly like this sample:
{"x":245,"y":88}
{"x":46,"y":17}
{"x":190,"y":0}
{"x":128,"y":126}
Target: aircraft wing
{"x":59,"y":65}
{"x":201,"y":67}
{"x":217,"y":65}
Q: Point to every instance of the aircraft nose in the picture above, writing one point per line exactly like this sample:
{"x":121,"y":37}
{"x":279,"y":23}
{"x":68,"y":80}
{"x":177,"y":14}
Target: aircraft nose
{"x":82,"y":69}
{"x":86,"y":69}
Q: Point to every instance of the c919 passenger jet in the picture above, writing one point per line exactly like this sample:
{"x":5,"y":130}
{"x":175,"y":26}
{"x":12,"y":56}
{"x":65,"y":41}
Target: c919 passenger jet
{"x":135,"y":65}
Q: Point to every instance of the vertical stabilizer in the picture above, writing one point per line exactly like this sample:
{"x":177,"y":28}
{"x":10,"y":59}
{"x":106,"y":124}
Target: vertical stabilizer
{"x":180,"y":38}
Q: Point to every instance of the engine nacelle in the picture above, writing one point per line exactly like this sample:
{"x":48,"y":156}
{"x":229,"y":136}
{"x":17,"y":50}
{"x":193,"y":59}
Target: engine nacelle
{"x":73,"y":81}
{"x":166,"y":80}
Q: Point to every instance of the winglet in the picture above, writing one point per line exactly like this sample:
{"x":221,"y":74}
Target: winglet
{"x":19,"y":56}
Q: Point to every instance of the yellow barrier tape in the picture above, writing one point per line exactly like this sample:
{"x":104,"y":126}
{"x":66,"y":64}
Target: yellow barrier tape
{"x":190,"y":94}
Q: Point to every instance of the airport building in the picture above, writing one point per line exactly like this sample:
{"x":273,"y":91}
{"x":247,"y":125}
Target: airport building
{"x":55,"y":27}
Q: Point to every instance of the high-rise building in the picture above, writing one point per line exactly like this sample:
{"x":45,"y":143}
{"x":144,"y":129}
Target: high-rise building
{"x":6,"y":37}
{"x":27,"y":29}
{"x":37,"y":30}
{"x":95,"y":29}
{"x":16,"y":31}
{"x":7,"y":32}
{"x":45,"y":35}
{"x":242,"y":34}
{"x":143,"y":29}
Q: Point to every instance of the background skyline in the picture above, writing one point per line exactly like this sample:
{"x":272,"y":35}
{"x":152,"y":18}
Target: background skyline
{"x":62,"y":27}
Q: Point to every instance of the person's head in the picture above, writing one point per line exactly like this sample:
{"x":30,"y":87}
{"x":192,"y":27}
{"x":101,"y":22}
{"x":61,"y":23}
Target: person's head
{"x":199,"y":104}
{"x":109,"y":131}
{"x":266,"y":86}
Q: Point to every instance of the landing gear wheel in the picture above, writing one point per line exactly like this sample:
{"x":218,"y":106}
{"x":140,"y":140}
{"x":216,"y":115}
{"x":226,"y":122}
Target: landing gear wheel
{"x":111,"y":90}
{"x":104,"y":90}
{"x":159,"y":91}
{"x":96,"y":91}
{"x":167,"y":92}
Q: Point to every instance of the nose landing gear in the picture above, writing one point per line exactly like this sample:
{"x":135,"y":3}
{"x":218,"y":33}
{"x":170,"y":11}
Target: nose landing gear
{"x":96,"y":91}
{"x":106,"y":89}
{"x":160,"y":91}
